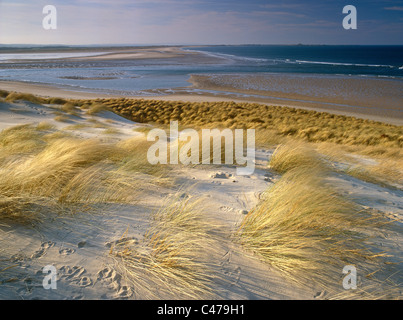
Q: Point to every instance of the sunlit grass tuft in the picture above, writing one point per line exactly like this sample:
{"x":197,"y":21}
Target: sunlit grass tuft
{"x":169,"y":262}
{"x":293,"y":155}
{"x":307,"y":231}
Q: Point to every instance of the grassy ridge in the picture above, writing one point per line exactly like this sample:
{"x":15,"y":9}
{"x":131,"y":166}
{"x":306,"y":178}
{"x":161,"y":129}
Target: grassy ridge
{"x":310,"y":126}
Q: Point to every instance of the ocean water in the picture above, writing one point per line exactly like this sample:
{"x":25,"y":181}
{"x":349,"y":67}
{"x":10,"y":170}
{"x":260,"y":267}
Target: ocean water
{"x":378,"y":61}
{"x":147,"y":77}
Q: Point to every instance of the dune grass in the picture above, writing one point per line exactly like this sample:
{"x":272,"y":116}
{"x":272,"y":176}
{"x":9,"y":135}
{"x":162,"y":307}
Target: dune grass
{"x":43,"y":169}
{"x":62,"y":118}
{"x":96,"y":108}
{"x":70,"y":108}
{"x":294,"y":155}
{"x":169,"y":261}
{"x":385,"y":174}
{"x":304,"y":228}
{"x":311,"y":126}
{"x":15,"y":96}
{"x":309,"y":232}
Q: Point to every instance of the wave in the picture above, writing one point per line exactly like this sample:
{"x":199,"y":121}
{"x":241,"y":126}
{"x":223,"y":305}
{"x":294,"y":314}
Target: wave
{"x":291,"y":61}
{"x":345,"y":64}
{"x":228,"y":56}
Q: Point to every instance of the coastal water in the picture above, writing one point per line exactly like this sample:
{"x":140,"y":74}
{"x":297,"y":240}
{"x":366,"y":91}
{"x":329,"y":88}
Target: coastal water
{"x":147,"y":76}
{"x":378,"y":61}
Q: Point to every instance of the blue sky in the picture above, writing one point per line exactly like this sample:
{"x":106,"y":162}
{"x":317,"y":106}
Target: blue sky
{"x":201,"y":22}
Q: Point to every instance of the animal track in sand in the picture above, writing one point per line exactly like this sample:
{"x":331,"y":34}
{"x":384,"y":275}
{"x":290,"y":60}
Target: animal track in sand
{"x":230,"y":270}
{"x":74,"y":275}
{"x":226,"y":209}
{"x":44,"y":247}
{"x":66,"y":251}
{"x":112,"y":280}
{"x":221,"y":175}
{"x":85,"y":282}
{"x":71,"y":273}
{"x":124,"y":292}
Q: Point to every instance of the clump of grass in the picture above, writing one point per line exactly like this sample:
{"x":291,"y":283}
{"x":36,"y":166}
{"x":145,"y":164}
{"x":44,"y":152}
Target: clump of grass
{"x":45,"y":126}
{"x":385,"y":173}
{"x":62,"y":118}
{"x":133,"y":157}
{"x":293,"y":155}
{"x":70,"y":108}
{"x":307,"y":231}
{"x":169,"y":261}
{"x":3,"y":93}
{"x":21,"y":139}
{"x":59,"y":101}
{"x":15,"y":96}
{"x":111,"y":131}
{"x":96,"y":108}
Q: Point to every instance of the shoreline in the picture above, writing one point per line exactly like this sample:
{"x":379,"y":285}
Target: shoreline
{"x":51,"y":91}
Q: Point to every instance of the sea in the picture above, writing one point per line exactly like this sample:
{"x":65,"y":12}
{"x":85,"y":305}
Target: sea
{"x":162,"y":76}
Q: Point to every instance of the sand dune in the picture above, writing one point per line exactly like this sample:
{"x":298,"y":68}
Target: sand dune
{"x":108,"y":249}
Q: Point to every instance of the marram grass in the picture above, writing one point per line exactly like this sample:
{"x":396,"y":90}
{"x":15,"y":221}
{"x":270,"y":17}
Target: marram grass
{"x":170,"y":261}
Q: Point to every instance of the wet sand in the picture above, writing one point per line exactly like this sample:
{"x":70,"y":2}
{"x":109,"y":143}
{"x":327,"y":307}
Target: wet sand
{"x":367,"y":96}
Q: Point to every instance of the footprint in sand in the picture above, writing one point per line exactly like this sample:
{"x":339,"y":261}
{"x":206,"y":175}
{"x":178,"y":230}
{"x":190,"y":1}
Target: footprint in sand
{"x":85,"y":282}
{"x":108,"y":275}
{"x":112,"y":280}
{"x":44,"y":247}
{"x":226,"y":209}
{"x":66,"y":251}
{"x":71,"y":273}
{"x":124,"y":292}
{"x":230,"y":270}
{"x":74,"y":275}
{"x":122,"y":242}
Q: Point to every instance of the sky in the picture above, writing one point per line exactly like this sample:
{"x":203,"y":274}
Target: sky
{"x":139,"y":22}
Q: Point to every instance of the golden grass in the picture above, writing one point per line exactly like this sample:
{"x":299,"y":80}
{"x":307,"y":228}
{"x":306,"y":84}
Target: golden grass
{"x":169,"y":262}
{"x":385,"y":173}
{"x":305,"y":125}
{"x":59,"y":101}
{"x":42,"y":168}
{"x":307,"y":231}
{"x":293,"y":155}
{"x":15,"y":96}
{"x":3,"y":93}
{"x":62,"y":118}
{"x":44,"y":126}
{"x":96,"y":108}
{"x":70,"y":108}
{"x":111,"y":131}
